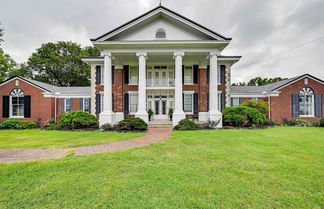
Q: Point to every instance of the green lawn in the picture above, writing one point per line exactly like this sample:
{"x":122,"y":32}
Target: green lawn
{"x":10,"y":139}
{"x":271,"y":168}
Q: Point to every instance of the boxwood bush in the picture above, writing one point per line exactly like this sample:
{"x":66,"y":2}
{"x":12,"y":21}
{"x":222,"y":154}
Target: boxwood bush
{"x":242,"y":116}
{"x":10,"y":124}
{"x":131,"y":124}
{"x":29,"y":125}
{"x":78,"y":120}
{"x":297,"y":122}
{"x":186,"y":124}
{"x":321,"y":123}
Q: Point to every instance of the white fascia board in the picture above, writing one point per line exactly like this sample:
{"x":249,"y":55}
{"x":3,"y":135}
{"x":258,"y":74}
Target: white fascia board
{"x":65,"y":96}
{"x":229,"y":59}
{"x":303,"y":77}
{"x":254,"y":95}
{"x":158,"y":42}
{"x":28,"y":82}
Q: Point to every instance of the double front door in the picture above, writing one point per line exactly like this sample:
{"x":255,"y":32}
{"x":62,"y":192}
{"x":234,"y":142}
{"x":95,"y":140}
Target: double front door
{"x":160,"y":107}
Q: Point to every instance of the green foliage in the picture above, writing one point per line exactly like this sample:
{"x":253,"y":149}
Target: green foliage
{"x":186,"y":124}
{"x":260,"y":105}
{"x":10,"y":124}
{"x":1,"y":33}
{"x":242,"y":116}
{"x":131,"y":124}
{"x":7,"y":65}
{"x":77,"y":120}
{"x":321,"y":123}
{"x":28,"y":125}
{"x":60,"y":64}
{"x":211,"y":124}
{"x":258,"y":81}
{"x":297,"y":122}
{"x":150,"y":114}
{"x":269,"y":122}
{"x":106,"y":127}
{"x":170,"y":113}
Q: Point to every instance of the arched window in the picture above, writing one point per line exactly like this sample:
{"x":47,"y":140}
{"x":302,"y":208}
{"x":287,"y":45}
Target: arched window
{"x":160,"y":33}
{"x":17,"y":103}
{"x":306,"y":102}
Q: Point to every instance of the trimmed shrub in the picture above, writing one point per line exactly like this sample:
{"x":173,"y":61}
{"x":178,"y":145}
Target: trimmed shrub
{"x":78,"y":120}
{"x":210,"y":124}
{"x":269,"y":122}
{"x":242,"y":116}
{"x":131,"y":124}
{"x":106,"y":127}
{"x":321,"y":123}
{"x":10,"y":124}
{"x":186,"y":124}
{"x":297,"y":122}
{"x":28,"y":125}
{"x":261,"y":106}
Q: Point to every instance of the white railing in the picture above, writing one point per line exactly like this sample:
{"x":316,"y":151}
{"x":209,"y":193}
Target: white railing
{"x":169,"y":82}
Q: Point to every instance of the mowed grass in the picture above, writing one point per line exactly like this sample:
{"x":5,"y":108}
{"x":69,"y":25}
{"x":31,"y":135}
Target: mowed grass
{"x":10,"y":139}
{"x":271,"y":168}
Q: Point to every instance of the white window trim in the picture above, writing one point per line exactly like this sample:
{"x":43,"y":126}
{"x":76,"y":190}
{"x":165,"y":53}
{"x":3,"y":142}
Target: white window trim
{"x":237,"y":101}
{"x":10,"y":109}
{"x":192,"y":74}
{"x":313,"y":106}
{"x":129,"y":76}
{"x":192,"y":102}
{"x":65,"y":104}
{"x":129,"y":101}
{"x":83,"y":104}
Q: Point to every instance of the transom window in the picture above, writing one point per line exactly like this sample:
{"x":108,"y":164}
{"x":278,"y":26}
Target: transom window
{"x":160,"y":33}
{"x":306,"y":102}
{"x":17,"y":103}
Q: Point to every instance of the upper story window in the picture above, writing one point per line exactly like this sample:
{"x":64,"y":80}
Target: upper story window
{"x":188,"y":75}
{"x":160,"y":34}
{"x":17,"y":103}
{"x":306,"y":102}
{"x":133,"y":75}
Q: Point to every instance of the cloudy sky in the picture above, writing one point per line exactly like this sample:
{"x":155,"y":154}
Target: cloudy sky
{"x":276,"y":38}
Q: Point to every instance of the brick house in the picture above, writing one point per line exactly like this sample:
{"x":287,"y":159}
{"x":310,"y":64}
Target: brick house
{"x":160,"y":60}
{"x":26,"y":99}
{"x":300,"y":97}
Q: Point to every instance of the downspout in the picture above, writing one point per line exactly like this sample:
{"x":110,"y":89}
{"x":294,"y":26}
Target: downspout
{"x":269,"y":105}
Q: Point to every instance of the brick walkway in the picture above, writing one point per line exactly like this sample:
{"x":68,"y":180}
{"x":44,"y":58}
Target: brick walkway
{"x":24,"y":155}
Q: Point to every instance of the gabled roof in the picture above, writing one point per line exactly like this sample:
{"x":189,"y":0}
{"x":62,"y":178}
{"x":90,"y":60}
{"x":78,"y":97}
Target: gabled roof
{"x":75,"y":91}
{"x":163,"y":9}
{"x":270,"y":87}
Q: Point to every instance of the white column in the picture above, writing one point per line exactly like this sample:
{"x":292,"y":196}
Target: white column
{"x":107,"y":116}
{"x":141,"y":112}
{"x":178,"y":106}
{"x":214,"y":113}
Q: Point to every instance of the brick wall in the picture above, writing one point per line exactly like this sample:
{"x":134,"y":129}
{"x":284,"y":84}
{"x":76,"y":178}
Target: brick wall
{"x":281,"y":105}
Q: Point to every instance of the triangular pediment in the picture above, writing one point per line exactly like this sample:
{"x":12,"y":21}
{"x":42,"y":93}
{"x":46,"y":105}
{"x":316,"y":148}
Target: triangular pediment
{"x":175,"y":27}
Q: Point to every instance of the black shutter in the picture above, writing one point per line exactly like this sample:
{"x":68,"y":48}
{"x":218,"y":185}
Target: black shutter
{"x":318,"y":105}
{"x":62,"y":105}
{"x":196,"y":108}
{"x":183,"y":67}
{"x":27,"y":106}
{"x":5,"y":106}
{"x":232,"y":101}
{"x":113,"y":102}
{"x":98,"y":75}
{"x":98,"y":98}
{"x":71,"y":102}
{"x":195,"y":73}
{"x":295,"y":105}
{"x":126,"y":74}
{"x":222,"y":74}
{"x":207,"y":102}
{"x":89,"y":105}
{"x":113,"y":74}
{"x":207,"y":71}
{"x":222,"y":97}
{"x":126,"y":103}
{"x":81,"y":103}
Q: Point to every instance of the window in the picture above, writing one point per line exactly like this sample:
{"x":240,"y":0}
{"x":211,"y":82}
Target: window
{"x":86,"y":105}
{"x":188,"y":103}
{"x":68,"y":105}
{"x":306,"y":102}
{"x":17,"y":103}
{"x":188,"y":75}
{"x":133,"y":75}
{"x":235,"y":101}
{"x":160,"y":33}
{"x":133,"y":102}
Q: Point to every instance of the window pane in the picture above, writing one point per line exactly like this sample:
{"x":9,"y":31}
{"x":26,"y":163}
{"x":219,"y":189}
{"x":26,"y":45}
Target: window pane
{"x":21,"y":110}
{"x":86,"y":105}
{"x":133,"y":75}
{"x":188,"y":75}
{"x":188,"y":102}
{"x":133,"y":103}
{"x":68,"y":105}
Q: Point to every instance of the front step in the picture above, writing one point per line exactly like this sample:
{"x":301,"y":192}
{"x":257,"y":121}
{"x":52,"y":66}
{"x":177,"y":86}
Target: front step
{"x":160,"y":124}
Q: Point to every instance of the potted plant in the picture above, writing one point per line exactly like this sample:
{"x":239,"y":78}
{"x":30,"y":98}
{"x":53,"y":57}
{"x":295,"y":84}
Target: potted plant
{"x":150,"y":114}
{"x":170,"y":113}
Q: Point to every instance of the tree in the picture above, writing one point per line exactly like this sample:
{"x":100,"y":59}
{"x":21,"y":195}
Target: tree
{"x":258,"y":81}
{"x":1,"y":33}
{"x":60,"y":64}
{"x":7,"y":64}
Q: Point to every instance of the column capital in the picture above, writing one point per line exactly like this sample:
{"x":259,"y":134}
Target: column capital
{"x":179,"y":53}
{"x":140,"y":54}
{"x":213,"y":53}
{"x":106,"y":53}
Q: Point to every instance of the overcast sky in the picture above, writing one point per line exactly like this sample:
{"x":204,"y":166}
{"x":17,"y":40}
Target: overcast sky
{"x":276,"y":38}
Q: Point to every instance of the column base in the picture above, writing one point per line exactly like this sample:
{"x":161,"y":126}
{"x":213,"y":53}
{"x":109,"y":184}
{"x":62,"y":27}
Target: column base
{"x":142,"y":115}
{"x":203,"y":116}
{"x":216,"y":116}
{"x":176,"y":117}
{"x":106,"y":117}
{"x":119,"y":116}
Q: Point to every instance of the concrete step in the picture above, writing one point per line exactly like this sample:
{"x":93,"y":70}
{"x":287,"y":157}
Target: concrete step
{"x":160,"y":124}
